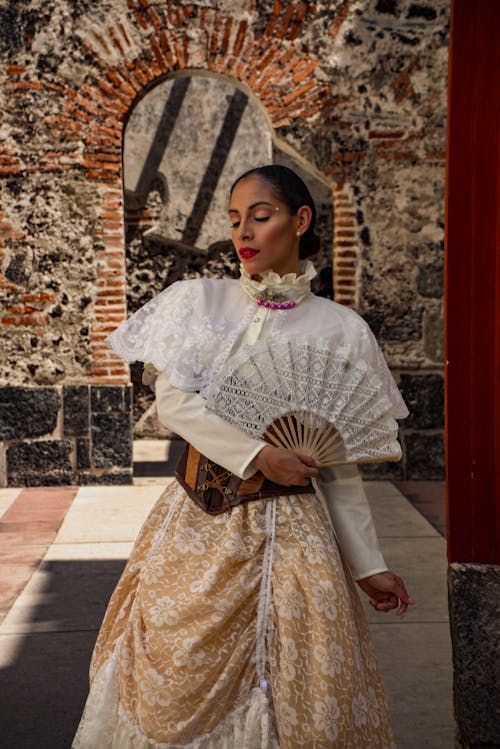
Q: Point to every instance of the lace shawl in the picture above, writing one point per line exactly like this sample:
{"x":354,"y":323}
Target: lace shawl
{"x":186,"y":331}
{"x":189,"y":330}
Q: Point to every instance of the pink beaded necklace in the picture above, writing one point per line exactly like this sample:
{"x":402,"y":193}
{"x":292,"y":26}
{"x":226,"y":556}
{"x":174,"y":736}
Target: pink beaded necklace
{"x":276,"y":305}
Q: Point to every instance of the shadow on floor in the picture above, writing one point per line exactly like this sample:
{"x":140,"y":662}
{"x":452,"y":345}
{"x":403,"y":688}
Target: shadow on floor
{"x":45,"y":685}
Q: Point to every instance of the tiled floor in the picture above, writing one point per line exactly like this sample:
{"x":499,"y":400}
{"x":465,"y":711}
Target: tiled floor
{"x":67,"y":546}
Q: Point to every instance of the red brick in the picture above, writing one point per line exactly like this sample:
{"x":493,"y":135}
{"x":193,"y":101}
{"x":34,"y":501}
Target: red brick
{"x":164,"y":42}
{"x":346,"y":253}
{"x":386,"y":134}
{"x":26,"y":321}
{"x":113,"y":91}
{"x":226,"y":36}
{"x":340,"y":17}
{"x":397,"y":155}
{"x":40,"y":297}
{"x":160,"y":59}
{"x":240,"y":37}
{"x":124,"y":33}
{"x":286,"y":21}
{"x":138,"y":16}
{"x":106,"y":380}
{"x":122,"y":82}
{"x":9,"y":171}
{"x":304,"y":71}
{"x":272,"y":22}
{"x":23,"y":86}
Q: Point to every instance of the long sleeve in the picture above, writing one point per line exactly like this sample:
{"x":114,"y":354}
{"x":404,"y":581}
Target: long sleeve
{"x":342,"y":489}
{"x":185,"y":414}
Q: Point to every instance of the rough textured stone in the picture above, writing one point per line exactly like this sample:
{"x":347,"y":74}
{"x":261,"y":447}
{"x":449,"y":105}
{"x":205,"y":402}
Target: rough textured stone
{"x":430,"y":280}
{"x":150,"y":426}
{"x":424,"y":456}
{"x":433,"y":327}
{"x":76,"y":410}
{"x":111,"y":440}
{"x":424,"y":396}
{"x":389,"y":471}
{"x":352,"y":93}
{"x":474,"y":602}
{"x":27,"y":412}
{"x":107,"y":398}
{"x":40,"y":463}
{"x":82,"y":454}
{"x":106,"y":479}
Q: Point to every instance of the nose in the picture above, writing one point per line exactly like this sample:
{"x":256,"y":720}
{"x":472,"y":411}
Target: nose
{"x":245,"y":228}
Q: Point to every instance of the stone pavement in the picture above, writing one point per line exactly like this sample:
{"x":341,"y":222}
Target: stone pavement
{"x":64,"y":548}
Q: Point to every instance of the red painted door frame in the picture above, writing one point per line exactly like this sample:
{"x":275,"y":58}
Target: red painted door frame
{"x":472,"y":284}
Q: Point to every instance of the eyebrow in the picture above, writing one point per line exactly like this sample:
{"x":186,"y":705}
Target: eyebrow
{"x":254,"y":205}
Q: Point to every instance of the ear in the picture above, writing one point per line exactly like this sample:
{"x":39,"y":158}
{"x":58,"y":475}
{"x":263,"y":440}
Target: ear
{"x":304,"y":216}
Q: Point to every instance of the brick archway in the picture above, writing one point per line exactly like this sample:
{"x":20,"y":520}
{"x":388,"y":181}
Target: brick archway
{"x":281,"y":78}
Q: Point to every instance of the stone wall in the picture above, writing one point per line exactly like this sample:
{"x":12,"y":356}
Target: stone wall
{"x":70,"y":434}
{"x":353,"y":91}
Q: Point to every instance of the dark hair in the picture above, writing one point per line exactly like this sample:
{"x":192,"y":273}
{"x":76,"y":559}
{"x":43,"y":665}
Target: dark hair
{"x":291,"y":190}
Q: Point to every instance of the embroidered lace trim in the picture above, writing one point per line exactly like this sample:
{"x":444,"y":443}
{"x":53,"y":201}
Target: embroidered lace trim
{"x":265,"y":595}
{"x":310,"y":375}
{"x":175,"y":333}
{"x":285,"y":287}
{"x":250,"y":726}
{"x":105,"y":724}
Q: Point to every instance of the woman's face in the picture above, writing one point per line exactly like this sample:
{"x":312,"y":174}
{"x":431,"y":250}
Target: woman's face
{"x":264,"y":232}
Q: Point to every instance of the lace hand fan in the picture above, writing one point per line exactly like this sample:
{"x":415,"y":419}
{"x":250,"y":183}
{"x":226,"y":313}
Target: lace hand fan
{"x":312,"y":398}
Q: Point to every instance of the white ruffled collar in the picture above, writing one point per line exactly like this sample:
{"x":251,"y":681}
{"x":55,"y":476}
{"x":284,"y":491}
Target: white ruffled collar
{"x":275,"y":288}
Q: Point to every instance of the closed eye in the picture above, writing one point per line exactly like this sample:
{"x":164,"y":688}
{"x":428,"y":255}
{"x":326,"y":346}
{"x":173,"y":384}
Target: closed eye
{"x":235,"y":224}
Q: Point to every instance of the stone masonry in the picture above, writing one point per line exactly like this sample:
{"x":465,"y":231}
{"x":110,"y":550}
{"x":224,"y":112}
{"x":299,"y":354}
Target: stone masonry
{"x":352,"y":92}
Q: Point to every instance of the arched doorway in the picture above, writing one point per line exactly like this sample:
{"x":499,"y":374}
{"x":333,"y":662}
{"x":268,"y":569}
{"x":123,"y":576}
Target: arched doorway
{"x":185,"y":142}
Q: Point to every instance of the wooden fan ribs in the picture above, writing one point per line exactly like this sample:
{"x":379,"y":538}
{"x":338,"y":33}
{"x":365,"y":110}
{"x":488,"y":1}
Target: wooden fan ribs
{"x":309,"y":397}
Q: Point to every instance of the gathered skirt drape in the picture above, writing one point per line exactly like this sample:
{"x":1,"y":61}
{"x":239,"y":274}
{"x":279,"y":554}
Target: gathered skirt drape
{"x":237,"y":631}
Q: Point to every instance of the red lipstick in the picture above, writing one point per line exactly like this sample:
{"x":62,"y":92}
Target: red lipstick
{"x":248,"y":252}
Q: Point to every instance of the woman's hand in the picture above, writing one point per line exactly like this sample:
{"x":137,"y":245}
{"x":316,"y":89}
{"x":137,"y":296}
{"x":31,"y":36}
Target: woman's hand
{"x":285,"y":467}
{"x":387,"y":591}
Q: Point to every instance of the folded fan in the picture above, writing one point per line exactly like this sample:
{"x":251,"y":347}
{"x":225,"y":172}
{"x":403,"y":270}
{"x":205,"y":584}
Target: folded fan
{"x":311,"y":398}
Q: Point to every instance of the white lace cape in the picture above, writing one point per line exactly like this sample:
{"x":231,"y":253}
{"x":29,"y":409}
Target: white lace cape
{"x":189,"y":330}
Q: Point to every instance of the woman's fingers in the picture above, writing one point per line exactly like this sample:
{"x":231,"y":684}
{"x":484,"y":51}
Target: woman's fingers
{"x":285,"y":467}
{"x":386,"y":592}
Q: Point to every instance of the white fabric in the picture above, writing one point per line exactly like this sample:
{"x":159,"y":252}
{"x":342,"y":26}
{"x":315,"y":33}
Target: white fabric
{"x":348,"y":507}
{"x":275,"y":288}
{"x":105,"y":725}
{"x":189,"y":330}
{"x":185,"y":414}
{"x":317,"y":384}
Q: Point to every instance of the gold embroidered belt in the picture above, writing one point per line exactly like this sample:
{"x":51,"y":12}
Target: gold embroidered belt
{"x":217,"y":490}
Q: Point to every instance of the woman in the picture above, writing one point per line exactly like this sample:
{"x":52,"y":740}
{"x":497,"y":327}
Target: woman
{"x":244,"y":629}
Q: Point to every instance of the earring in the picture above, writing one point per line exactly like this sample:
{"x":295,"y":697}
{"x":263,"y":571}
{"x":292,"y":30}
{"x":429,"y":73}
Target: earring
{"x":298,"y":233}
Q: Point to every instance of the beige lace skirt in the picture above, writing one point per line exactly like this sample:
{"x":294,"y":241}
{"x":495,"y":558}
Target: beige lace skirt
{"x":239,"y":631}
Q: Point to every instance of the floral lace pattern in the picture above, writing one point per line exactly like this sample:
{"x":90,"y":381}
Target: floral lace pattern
{"x":177,"y":332}
{"x":181,"y":634}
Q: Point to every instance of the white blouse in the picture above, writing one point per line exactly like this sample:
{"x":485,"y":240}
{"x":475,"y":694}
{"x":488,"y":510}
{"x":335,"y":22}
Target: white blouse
{"x":189,"y":331}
